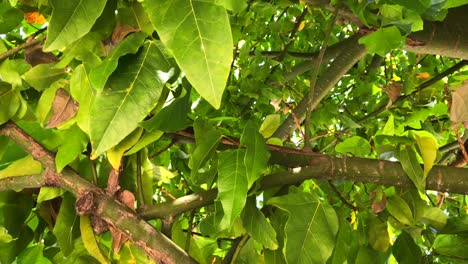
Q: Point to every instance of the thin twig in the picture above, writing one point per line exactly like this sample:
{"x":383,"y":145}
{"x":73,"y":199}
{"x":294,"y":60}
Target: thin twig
{"x":25,"y":45}
{"x":342,"y":199}
{"x":189,"y":232}
{"x":314,"y":75}
{"x":141,"y":197}
{"x":163,"y":149}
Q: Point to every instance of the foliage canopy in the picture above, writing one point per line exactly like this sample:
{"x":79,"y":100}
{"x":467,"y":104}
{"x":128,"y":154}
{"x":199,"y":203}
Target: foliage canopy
{"x":225,"y":131}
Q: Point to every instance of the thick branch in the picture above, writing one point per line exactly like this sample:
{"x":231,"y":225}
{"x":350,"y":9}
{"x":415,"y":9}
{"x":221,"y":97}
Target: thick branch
{"x":322,"y":167}
{"x":339,"y":67}
{"x":155,"y":244}
{"x":447,"y":38}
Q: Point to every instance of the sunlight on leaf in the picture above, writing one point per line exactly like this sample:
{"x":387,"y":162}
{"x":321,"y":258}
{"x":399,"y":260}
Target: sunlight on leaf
{"x":70,"y":21}
{"x":199,"y":35}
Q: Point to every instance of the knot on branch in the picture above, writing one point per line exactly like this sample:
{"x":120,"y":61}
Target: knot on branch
{"x":85,"y":203}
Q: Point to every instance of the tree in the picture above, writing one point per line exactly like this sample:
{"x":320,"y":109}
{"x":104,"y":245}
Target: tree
{"x":233,"y":131}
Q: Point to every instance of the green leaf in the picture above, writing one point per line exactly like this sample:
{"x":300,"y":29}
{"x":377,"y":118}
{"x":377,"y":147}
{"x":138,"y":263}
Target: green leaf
{"x":145,"y":140}
{"x":33,"y":254}
{"x":48,"y":193}
{"x":9,"y":102}
{"x":416,"y":5}
{"x":346,"y":240}
{"x":232,"y":185}
{"x":433,"y":216}
{"x":377,"y":234}
{"x":98,"y":75}
{"x":65,"y":227}
{"x":89,"y":240}
{"x":10,"y":18}
{"x":42,"y":76}
{"x":311,"y":227}
{"x":74,"y":143}
{"x":269,"y":125}
{"x":207,"y":139}
{"x":452,"y":245}
{"x":70,"y":21}
{"x":357,"y":146}
{"x":383,"y":40}
{"x":409,"y":162}
{"x":82,"y":92}
{"x":199,"y":35}
{"x":134,"y":90}
{"x":258,"y":227}
{"x":256,"y":155}
{"x":397,"y":207}
{"x":405,"y":250}
{"x":4,"y":236}
{"x":22,"y":167}
{"x":171,"y":118}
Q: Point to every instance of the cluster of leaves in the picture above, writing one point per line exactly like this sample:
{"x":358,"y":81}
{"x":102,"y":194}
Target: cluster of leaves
{"x":123,"y":85}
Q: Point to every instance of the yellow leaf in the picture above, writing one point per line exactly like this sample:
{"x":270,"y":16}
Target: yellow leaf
{"x":89,"y":240}
{"x":301,"y":26}
{"x":22,"y":167}
{"x":427,"y":145}
{"x":114,"y":155}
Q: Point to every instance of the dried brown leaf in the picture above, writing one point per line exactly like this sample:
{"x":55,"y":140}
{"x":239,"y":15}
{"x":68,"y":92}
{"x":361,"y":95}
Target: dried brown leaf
{"x":121,"y":31}
{"x":64,"y":107}
{"x":379,"y":201}
{"x":393,"y":91}
{"x":34,"y":56}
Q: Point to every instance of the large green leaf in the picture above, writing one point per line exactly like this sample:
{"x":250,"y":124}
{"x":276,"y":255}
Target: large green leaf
{"x":207,"y":139}
{"x":134,"y":90}
{"x":65,"y":229}
{"x":99,"y":75}
{"x":42,"y":76}
{"x":356,"y":145}
{"x":405,"y":250}
{"x":311,"y":227}
{"x":171,"y":118}
{"x":10,"y":18}
{"x":82,"y":92}
{"x":399,"y":209}
{"x":258,"y":227}
{"x":74,"y":143}
{"x":71,"y":20}
{"x":452,"y":245}
{"x":410,"y":164}
{"x":9,"y":102}
{"x":256,"y":155}
{"x":383,"y":40}
{"x":199,"y":35}
{"x":232,"y":185}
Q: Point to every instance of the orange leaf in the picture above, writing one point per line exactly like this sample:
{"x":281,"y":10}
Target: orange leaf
{"x":34,"y":17}
{"x":423,"y":75}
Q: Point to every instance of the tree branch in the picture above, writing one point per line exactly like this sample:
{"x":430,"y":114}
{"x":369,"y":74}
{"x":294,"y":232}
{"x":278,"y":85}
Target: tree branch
{"x":339,"y":67}
{"x":321,"y":167}
{"x":155,"y":244}
{"x":21,"y":47}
